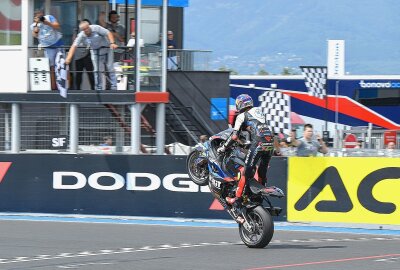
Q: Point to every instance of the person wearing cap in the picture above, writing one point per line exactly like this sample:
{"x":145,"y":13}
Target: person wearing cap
{"x":170,"y":40}
{"x":171,"y":45}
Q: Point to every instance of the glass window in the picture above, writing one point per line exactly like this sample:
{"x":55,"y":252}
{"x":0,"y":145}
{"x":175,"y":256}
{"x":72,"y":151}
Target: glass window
{"x":66,"y":15}
{"x":10,"y":22}
{"x":379,"y":97}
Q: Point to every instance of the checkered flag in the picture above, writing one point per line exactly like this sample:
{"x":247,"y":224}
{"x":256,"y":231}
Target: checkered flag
{"x":61,"y":70}
{"x":315,"y":80}
{"x":276,"y":107}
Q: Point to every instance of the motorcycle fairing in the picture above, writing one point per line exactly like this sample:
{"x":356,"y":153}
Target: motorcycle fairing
{"x":257,"y":188}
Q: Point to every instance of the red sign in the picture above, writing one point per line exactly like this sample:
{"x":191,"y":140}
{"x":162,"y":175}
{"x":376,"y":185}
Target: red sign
{"x":389,"y":136}
{"x":4,"y":166}
{"x":350,"y":141}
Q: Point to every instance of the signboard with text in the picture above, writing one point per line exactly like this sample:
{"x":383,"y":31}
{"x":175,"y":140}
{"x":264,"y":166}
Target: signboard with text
{"x":39,"y":74}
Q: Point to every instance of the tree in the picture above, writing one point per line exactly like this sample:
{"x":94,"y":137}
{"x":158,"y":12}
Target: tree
{"x":231,"y":71}
{"x":289,"y":71}
{"x":262,"y":72}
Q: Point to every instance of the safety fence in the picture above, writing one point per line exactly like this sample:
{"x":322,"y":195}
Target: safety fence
{"x":82,"y":72}
{"x":46,"y":127}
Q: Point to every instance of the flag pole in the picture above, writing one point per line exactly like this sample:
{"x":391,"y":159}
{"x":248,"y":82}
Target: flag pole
{"x":326,"y":104}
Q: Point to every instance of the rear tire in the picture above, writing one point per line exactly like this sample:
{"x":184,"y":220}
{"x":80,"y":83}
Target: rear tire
{"x":198,"y":173}
{"x":262,"y":228}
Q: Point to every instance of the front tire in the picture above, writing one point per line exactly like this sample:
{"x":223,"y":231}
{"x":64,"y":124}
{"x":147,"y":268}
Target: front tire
{"x":262,"y":228}
{"x":198,"y":173}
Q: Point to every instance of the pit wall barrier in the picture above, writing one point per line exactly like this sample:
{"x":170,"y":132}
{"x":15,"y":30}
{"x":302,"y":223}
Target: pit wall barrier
{"x":320,"y":189}
{"x":141,"y":185}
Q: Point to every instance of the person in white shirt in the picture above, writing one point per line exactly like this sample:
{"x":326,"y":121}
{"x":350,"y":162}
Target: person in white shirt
{"x":101,"y":42}
{"x":46,"y":29}
{"x":132,"y":41}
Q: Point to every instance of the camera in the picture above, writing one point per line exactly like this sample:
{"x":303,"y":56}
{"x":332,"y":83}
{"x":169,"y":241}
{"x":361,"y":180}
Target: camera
{"x":42,"y":18}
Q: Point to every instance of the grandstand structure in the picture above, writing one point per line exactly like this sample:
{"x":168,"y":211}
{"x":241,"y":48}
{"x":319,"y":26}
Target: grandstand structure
{"x":35,"y":118}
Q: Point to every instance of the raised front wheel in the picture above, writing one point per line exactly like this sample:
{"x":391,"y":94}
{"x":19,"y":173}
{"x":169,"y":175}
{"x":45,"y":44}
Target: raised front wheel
{"x":197,"y":167}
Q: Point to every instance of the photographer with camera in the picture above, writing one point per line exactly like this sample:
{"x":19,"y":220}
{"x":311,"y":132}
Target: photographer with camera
{"x":46,"y":29}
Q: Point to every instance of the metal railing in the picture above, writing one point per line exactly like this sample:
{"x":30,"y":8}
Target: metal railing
{"x":46,"y":127}
{"x":184,"y":60}
{"x":348,"y":152}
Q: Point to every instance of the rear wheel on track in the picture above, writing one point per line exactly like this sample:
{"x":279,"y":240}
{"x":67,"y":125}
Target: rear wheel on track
{"x":262,"y":228}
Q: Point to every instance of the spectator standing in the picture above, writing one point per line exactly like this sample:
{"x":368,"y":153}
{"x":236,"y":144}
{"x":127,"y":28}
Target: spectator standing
{"x":101,"y":19}
{"x":307,"y":145}
{"x":171,"y":45}
{"x":170,"y":40}
{"x":202,"y":140}
{"x":158,"y":43}
{"x":46,"y":29}
{"x":358,"y":144}
{"x":132,"y":41}
{"x":83,"y":61}
{"x":118,"y":31}
{"x":390,"y":150}
{"x":391,"y":145}
{"x":102,"y":44}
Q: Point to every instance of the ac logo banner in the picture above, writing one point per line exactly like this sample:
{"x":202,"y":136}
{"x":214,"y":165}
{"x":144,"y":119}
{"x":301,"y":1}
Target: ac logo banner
{"x":355,"y":190}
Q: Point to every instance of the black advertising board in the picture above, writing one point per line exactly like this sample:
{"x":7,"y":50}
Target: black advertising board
{"x":140,"y":185}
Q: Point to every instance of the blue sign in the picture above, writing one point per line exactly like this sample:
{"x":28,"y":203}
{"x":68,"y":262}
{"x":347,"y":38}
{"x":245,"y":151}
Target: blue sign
{"x":219,"y":108}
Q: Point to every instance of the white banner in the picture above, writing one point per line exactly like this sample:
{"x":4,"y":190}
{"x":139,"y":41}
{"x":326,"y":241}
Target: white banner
{"x":336,"y":58}
{"x":39,"y":74}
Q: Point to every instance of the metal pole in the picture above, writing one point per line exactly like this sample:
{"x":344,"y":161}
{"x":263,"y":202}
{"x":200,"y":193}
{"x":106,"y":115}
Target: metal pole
{"x":160,"y":120}
{"x":15,"y":128}
{"x":326,"y":105}
{"x":369,"y":139}
{"x":7,"y":132}
{"x":73,"y":128}
{"x":135,"y":108}
{"x":137,"y":43}
{"x":135,"y":128}
{"x":120,"y":135}
{"x":336,"y":142}
{"x":127,"y":34}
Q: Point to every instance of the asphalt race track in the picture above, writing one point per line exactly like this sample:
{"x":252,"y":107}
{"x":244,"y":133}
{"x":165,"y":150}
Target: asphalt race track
{"x":40,"y":243}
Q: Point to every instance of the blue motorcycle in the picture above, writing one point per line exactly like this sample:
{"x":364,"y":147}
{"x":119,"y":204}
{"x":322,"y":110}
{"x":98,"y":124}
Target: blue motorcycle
{"x":221,"y":172}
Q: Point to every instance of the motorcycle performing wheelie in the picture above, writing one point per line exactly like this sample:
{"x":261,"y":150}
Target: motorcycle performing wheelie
{"x":222,"y":173}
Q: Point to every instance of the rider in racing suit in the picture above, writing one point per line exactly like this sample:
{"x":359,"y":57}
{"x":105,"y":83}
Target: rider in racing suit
{"x":263,"y":142}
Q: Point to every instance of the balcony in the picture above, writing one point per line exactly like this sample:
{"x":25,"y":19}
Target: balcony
{"x":124,"y":59}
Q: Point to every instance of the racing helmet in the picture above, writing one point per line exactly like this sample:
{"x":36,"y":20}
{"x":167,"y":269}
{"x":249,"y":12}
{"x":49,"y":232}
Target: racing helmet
{"x":243,"y":101}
